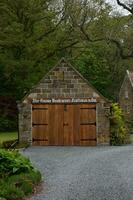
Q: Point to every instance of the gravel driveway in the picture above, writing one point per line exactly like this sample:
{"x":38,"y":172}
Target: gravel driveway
{"x":84,"y":173}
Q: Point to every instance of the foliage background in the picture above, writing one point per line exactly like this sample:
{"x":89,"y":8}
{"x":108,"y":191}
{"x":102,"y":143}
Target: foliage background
{"x":35,"y":34}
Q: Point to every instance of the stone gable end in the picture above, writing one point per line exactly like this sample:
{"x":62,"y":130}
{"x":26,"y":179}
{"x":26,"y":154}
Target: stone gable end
{"x":63,"y":81}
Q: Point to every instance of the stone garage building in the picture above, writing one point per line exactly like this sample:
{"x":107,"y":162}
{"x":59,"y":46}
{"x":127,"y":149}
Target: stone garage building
{"x":64,"y":109}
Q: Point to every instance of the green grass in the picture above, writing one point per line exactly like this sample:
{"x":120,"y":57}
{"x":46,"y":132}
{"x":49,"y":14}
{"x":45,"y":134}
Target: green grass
{"x":6,"y":136}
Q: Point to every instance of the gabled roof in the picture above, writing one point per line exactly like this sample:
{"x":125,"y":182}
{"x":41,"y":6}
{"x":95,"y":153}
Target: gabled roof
{"x":130,"y":76}
{"x":59,"y":64}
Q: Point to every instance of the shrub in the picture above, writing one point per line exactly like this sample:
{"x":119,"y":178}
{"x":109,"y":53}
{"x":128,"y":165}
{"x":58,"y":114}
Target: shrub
{"x":10,"y":192}
{"x":13,"y":163}
{"x":35,"y":177}
{"x":25,"y":181}
{"x":2,"y":198}
{"x":17,"y":176}
{"x":17,"y":186}
{"x":118,"y":131}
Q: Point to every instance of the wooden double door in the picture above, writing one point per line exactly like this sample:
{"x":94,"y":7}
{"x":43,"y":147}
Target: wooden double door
{"x":64,"y":124}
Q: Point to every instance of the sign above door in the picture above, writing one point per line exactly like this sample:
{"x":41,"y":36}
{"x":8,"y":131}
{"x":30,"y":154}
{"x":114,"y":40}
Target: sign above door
{"x":64,"y":100}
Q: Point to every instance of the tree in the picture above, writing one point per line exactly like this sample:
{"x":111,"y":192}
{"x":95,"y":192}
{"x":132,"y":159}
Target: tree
{"x":108,"y":38}
{"x":127,"y":6}
{"x":34,"y":34}
{"x":30,"y":34}
{"x":98,"y":25}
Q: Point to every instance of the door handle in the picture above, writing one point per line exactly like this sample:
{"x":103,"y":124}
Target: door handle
{"x":65,"y":124}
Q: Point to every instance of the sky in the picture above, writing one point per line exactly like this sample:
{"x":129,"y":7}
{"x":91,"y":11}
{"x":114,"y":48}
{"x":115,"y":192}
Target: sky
{"x":117,"y":7}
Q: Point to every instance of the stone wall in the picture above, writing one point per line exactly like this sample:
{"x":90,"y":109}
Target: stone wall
{"x":103,"y":123}
{"x":64,"y":81}
{"x":126,"y":98}
{"x":25,"y":122}
{"x":126,"y":102}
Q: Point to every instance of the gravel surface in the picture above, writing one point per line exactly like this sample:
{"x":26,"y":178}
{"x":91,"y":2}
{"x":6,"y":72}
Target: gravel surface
{"x":84,"y":173}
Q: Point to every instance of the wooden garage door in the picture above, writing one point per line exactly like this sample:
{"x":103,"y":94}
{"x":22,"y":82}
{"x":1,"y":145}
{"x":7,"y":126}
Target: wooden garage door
{"x":88,"y":124}
{"x":68,"y":124}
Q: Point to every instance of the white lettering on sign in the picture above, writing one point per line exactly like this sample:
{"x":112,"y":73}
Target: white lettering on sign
{"x":73,"y":100}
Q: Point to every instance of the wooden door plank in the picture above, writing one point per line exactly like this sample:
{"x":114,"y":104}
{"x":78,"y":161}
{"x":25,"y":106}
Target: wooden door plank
{"x":40,"y":125}
{"x":56,"y":124}
{"x":59,"y":123}
{"x":51,"y":124}
{"x":76,"y":125}
{"x":68,"y":125}
{"x":87,"y":124}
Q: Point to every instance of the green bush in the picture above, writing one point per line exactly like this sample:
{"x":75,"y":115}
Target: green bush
{"x":35,"y":177}
{"x":2,"y":198}
{"x":10,"y":192}
{"x":25,"y":181}
{"x":17,"y":176}
{"x":21,"y":181}
{"x":13,"y":163}
{"x":17,"y":186}
{"x":118,"y":129}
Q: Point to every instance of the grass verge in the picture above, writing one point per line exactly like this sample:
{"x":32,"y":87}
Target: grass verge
{"x":7,"y":136}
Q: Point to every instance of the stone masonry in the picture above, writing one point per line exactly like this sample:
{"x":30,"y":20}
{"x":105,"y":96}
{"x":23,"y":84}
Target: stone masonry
{"x":63,"y":81}
{"x":126,"y":96}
